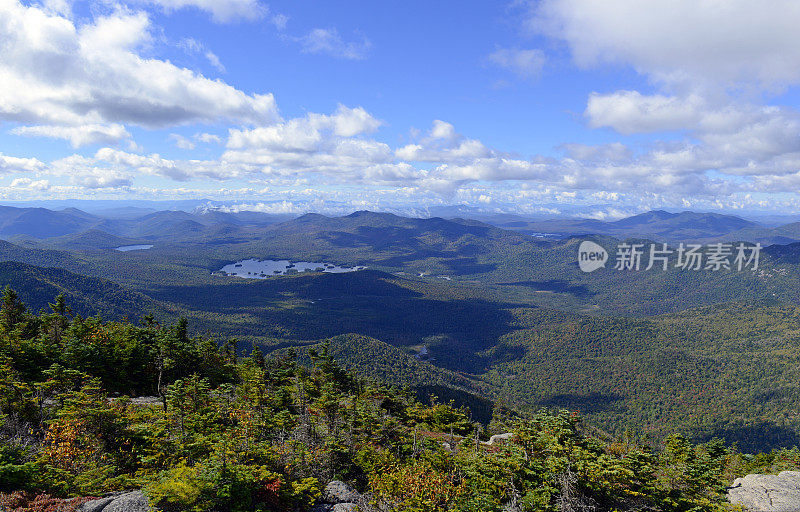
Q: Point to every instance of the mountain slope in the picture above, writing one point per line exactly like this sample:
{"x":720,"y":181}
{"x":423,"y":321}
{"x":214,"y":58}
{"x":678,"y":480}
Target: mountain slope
{"x":727,"y":370}
{"x":43,"y":223}
{"x":38,"y":286}
{"x":374,"y":359}
{"x":40,"y":257}
{"x":89,"y":240}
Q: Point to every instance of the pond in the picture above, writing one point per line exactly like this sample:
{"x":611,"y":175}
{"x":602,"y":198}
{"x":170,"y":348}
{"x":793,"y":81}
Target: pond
{"x":261,"y":269}
{"x":126,"y":248}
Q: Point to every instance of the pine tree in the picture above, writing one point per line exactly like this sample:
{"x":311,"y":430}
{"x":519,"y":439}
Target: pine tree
{"x":12,"y":310}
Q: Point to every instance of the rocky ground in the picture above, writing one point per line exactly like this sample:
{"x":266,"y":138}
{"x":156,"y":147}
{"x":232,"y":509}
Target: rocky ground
{"x":767,"y":493}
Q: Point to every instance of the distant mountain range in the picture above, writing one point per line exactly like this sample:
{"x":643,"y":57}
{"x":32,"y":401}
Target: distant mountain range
{"x":72,"y":228}
{"x":664,"y":226}
{"x":41,"y":223}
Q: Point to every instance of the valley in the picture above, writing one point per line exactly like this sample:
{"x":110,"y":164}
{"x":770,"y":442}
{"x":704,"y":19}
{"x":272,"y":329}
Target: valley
{"x":516,"y":322}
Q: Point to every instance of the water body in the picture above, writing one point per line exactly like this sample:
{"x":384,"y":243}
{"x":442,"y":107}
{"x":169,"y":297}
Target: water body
{"x":126,"y":248}
{"x":261,"y":269}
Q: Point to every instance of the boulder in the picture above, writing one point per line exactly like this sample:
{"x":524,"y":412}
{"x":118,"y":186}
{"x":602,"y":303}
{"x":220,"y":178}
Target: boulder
{"x":134,"y":501}
{"x":95,"y":505}
{"x":500,"y":438}
{"x":367,"y":503}
{"x":767,"y":493}
{"x":339,"y":492}
{"x":345,"y":507}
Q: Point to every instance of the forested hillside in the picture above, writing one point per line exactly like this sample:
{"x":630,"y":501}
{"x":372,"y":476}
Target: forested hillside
{"x":234,"y":433}
{"x":728,"y":371}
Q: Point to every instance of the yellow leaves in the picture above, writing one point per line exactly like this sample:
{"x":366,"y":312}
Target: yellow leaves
{"x":180,"y":486}
{"x":67,"y":446}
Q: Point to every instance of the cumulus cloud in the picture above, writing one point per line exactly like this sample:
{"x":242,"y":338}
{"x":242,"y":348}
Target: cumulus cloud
{"x":10,"y":164}
{"x":732,"y":138}
{"x":181,"y":142}
{"x":630,"y":112}
{"x":132,"y":164}
{"x":324,"y":143}
{"x":305,"y":133}
{"x":327,"y":41}
{"x":30,"y":184}
{"x":731,"y":42}
{"x":207,"y":138}
{"x":444,"y":145}
{"x":92,"y":74}
{"x":77,"y":136}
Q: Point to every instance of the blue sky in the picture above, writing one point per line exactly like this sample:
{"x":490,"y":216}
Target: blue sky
{"x":537,"y":107}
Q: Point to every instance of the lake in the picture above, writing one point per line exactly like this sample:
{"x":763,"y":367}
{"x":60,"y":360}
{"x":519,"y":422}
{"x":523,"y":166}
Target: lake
{"x":126,"y":248}
{"x":261,"y":269}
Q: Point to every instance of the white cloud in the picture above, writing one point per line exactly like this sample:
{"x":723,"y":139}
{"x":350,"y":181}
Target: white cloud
{"x":732,"y":138}
{"x":631,"y":112}
{"x":56,"y":73}
{"x":131,"y":164}
{"x":276,"y":207}
{"x":444,"y":145}
{"x":307,"y":133}
{"x":181,"y":142}
{"x":524,"y":63}
{"x":321,"y":145}
{"x":207,"y":138}
{"x":61,"y":7}
{"x":77,"y":136}
{"x":214,"y":61}
{"x":30,"y":184}
{"x":16,"y":164}
{"x":222,"y":11}
{"x":102,"y":178}
{"x":327,"y":41}
{"x":728,"y":42}
{"x":443,"y":130}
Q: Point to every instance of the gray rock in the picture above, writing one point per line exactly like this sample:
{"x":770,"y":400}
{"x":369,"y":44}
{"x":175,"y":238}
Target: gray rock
{"x":134,"y":501}
{"x":368,"y":503}
{"x":500,"y":438}
{"x":339,"y":492}
{"x":767,"y":493}
{"x":95,"y":505}
{"x":322,"y":507}
{"x":345,"y":507}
